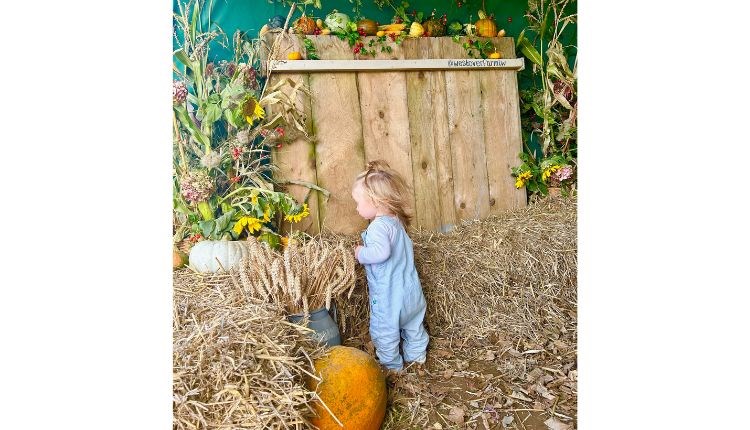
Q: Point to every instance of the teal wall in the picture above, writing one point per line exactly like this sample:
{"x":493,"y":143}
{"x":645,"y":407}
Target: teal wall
{"x":250,"y":15}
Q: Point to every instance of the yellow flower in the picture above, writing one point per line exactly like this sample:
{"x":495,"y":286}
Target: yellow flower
{"x":267,"y":214}
{"x":252,"y":225}
{"x":298,"y":217}
{"x":253,"y":110}
{"x":254,"y":198}
{"x":522,"y":179}
{"x":548,"y":172}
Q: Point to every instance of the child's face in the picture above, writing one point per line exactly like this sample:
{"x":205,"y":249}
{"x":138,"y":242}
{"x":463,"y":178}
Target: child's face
{"x":365,"y":206}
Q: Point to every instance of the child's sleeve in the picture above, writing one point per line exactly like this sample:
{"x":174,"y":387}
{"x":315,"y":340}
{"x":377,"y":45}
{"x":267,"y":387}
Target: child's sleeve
{"x":377,"y":246}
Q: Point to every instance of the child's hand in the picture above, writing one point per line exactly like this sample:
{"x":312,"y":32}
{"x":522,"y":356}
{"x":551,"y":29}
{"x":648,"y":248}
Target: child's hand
{"x":356,"y":251}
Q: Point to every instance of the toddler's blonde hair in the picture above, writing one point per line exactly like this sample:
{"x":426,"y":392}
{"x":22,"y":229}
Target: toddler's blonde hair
{"x":386,"y":188}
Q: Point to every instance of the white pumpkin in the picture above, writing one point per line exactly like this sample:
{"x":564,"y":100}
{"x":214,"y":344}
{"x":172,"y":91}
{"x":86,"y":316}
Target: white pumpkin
{"x":216,"y":255}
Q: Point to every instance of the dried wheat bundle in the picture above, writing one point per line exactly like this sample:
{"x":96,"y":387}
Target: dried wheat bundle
{"x":305,"y":276}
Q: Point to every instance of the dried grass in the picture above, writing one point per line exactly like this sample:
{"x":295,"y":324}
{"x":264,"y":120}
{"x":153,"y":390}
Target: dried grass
{"x":515,"y":273}
{"x":237,"y":362}
{"x":505,"y":285}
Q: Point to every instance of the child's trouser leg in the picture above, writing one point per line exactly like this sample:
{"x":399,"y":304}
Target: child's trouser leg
{"x":412,"y":329}
{"x":386,"y":348}
{"x":384,"y":331}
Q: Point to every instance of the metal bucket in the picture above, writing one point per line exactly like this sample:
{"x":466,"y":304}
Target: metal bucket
{"x":325,"y":328}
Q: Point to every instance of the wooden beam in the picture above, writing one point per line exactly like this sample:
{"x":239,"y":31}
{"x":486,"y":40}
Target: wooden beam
{"x":307,"y":66}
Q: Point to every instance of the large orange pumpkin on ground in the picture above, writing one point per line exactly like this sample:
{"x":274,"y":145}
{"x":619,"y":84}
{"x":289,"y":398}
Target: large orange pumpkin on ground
{"x":353,"y":387}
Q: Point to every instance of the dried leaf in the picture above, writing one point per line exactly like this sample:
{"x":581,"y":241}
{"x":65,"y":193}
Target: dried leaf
{"x":519,"y":396}
{"x":448,"y":374}
{"x":555,"y":424}
{"x":542,"y":390}
{"x":507,"y":420}
{"x":437,"y":426}
{"x":573,"y":375}
{"x":456,"y":415}
{"x":490,"y":355}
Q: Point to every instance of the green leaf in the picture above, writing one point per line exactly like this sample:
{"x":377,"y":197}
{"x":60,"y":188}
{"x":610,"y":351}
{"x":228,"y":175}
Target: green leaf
{"x":229,"y":116}
{"x":183,"y":58}
{"x":213,"y":113}
{"x":224,"y":221}
{"x":528,"y":50}
{"x":207,"y":228}
{"x":188,"y":123}
{"x":194,"y":20}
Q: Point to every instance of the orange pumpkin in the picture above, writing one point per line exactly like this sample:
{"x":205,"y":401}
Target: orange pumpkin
{"x":486,"y":26}
{"x":353,"y":387}
{"x":305,"y":25}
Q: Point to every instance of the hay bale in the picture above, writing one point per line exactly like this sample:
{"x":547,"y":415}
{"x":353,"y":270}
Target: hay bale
{"x":237,"y":362}
{"x":515,"y":273}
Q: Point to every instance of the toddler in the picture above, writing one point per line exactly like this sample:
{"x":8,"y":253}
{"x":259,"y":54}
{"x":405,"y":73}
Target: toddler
{"x":397,"y":304}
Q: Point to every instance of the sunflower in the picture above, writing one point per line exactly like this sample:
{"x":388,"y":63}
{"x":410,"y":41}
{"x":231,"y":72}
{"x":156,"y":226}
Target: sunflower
{"x":252,"y":225}
{"x":252,"y":110}
{"x":298,"y":216}
{"x":522,"y":178}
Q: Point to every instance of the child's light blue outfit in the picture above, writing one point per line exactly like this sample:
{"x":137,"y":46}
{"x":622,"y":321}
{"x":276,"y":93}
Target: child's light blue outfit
{"x":397,"y":304}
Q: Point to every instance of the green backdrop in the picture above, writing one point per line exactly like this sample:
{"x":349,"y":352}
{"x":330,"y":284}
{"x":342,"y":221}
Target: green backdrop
{"x":250,"y":15}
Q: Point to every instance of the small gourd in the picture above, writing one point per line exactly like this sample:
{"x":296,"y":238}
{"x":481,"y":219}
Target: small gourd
{"x":337,"y":21}
{"x":294,"y":55}
{"x":369,"y":26}
{"x":495,"y":55}
{"x":416,"y":29}
{"x":352,"y":387}
{"x":305,"y":25}
{"x":486,"y":26}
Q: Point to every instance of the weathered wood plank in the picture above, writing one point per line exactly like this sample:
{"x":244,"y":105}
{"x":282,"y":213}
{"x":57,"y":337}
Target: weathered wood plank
{"x":339,"y":150}
{"x":466,"y":135}
{"x":385,"y":119}
{"x":502,"y":128}
{"x":428,"y":123}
